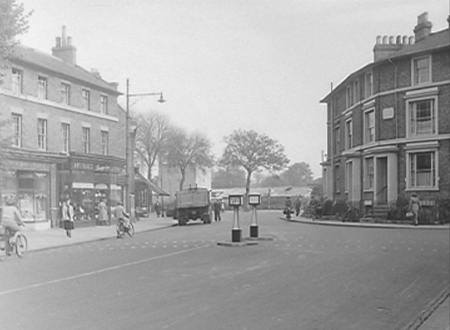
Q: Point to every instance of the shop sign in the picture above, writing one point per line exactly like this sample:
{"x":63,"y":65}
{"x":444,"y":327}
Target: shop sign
{"x":82,"y":166}
{"x":107,"y":168}
{"x":21,"y":165}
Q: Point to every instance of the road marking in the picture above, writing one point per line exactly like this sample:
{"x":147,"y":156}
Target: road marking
{"x":99,"y":271}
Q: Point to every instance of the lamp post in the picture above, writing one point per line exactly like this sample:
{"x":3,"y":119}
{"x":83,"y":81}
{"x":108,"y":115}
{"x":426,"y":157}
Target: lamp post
{"x":129,"y":149}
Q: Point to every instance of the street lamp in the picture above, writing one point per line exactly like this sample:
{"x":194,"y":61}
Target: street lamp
{"x":129,"y":148}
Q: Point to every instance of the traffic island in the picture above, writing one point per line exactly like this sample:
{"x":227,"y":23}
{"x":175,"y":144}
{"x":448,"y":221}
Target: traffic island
{"x":238,"y":244}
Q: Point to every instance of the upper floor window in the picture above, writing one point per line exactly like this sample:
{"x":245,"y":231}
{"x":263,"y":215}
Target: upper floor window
{"x":422,"y":117}
{"x":103,"y":104}
{"x":86,"y":140}
{"x":368,"y":173}
{"x":421,"y":70}
{"x":337,"y":140}
{"x":17,"y":76}
{"x":86,"y":99}
{"x":422,"y":169}
{"x":349,"y":96}
{"x":42,"y":133}
{"x":337,"y":179}
{"x":369,"y":126}
{"x":368,"y":85}
{"x":349,"y":134}
{"x":42,"y":88}
{"x":17,"y":130}
{"x":356,"y":91}
{"x":105,"y":142}
{"x":65,"y":128}
{"x":65,"y":93}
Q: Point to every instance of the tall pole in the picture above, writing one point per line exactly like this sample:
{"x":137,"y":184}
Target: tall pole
{"x":127,"y":148}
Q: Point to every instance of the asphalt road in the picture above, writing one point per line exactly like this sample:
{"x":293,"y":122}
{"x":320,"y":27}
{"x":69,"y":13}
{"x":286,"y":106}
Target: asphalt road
{"x":308,"y":277}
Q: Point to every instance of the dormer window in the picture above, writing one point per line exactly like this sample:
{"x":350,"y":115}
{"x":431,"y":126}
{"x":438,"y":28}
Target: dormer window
{"x":421,"y":70}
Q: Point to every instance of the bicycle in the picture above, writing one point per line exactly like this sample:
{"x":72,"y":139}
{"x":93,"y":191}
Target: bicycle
{"x":16,"y":243}
{"x":122,"y":230}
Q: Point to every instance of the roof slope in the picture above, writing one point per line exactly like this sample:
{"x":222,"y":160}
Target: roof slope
{"x":54,"y":64}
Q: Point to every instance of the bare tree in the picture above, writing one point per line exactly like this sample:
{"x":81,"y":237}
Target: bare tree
{"x":183,"y":150}
{"x":152,"y":132}
{"x":253,"y":151}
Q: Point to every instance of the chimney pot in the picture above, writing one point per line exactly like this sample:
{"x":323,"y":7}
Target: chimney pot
{"x":385,"y":39}
{"x":411,"y":40}
{"x":423,"y":27}
{"x":58,"y":41}
{"x":378,"y":40}
{"x":391,"y":40}
{"x":398,"y":40}
{"x":405,"y":40}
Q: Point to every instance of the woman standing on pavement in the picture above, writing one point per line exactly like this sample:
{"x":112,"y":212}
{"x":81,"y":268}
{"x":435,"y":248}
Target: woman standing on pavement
{"x":67,"y":217}
{"x":103,"y":212}
{"x":414,"y":207}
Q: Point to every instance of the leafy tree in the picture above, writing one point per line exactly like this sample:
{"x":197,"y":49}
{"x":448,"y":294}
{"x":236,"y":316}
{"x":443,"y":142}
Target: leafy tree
{"x":297,"y":175}
{"x":253,"y":151}
{"x":183,"y":150}
{"x":152,"y":132}
{"x":272,"y":181}
{"x":13,"y":22}
{"x":230,"y":177}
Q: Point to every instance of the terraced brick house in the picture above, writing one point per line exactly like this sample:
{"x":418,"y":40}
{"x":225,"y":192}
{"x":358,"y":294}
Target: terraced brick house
{"x":66,"y":134}
{"x":389,"y":128}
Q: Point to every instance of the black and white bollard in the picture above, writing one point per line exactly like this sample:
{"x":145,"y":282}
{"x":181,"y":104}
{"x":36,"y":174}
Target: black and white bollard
{"x":254,"y":200}
{"x":236,"y":232}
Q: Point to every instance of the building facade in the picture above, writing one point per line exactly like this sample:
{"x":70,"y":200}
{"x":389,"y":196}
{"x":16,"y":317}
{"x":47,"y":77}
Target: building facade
{"x":66,"y":133}
{"x":388,"y":127}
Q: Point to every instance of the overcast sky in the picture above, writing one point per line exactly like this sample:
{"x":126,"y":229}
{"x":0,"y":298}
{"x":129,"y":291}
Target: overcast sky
{"x":229,"y":64}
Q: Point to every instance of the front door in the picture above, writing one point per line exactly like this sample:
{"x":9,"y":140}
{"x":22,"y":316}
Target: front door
{"x":381,"y":193}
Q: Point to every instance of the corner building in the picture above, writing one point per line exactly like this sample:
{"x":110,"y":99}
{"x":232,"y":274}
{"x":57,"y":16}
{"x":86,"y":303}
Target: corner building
{"x":388,"y":127}
{"x":66,"y":133}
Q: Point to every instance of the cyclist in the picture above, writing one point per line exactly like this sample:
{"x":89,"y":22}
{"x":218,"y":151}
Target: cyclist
{"x":11,"y":220}
{"x":122,"y":216}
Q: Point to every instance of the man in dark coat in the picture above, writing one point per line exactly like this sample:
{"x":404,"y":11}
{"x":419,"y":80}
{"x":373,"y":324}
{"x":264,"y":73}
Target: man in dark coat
{"x":217,"y":210}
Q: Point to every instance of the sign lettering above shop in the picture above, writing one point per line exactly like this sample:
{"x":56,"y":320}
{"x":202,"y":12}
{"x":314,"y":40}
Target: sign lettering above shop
{"x":28,"y":165}
{"x":83,"y":166}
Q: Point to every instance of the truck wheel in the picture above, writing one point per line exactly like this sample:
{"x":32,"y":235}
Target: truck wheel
{"x":181,"y":221}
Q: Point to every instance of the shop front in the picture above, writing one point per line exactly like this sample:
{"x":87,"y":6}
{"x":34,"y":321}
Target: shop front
{"x":30,"y":184}
{"x":86,"y":182}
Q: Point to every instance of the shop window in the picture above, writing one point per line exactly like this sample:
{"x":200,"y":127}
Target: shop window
{"x":32,"y":200}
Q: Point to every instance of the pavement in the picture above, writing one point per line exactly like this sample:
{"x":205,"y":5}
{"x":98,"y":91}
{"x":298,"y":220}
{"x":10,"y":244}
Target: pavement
{"x":435,"y":317}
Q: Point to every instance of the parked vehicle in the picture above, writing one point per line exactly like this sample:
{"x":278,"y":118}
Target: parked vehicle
{"x":193,"y":204}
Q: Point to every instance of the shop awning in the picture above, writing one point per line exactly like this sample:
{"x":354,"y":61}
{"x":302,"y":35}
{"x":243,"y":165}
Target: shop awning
{"x":140,"y":178}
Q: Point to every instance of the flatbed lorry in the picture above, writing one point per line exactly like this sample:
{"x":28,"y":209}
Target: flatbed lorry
{"x":193,"y":204}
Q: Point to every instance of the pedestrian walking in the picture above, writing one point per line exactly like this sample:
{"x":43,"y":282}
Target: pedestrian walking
{"x":297,"y":206}
{"x":217,"y":210}
{"x":414,"y":208}
{"x":157,"y":209}
{"x":103,"y":212}
{"x":288,"y":208}
{"x":67,"y":217}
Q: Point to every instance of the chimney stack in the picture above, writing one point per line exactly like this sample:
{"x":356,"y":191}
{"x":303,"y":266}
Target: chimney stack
{"x":64,"y":49}
{"x":387,"y":45}
{"x":423,"y":27}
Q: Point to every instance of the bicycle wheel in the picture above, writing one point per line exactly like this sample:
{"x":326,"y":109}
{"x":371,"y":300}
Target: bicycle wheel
{"x":120,"y":230}
{"x":20,"y":245}
{"x":130,"y":230}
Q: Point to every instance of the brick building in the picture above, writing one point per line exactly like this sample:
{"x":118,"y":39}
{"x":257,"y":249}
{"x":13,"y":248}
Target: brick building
{"x":67,"y":134}
{"x":389,"y":127}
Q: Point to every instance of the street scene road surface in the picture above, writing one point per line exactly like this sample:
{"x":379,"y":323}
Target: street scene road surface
{"x":307,"y":277}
